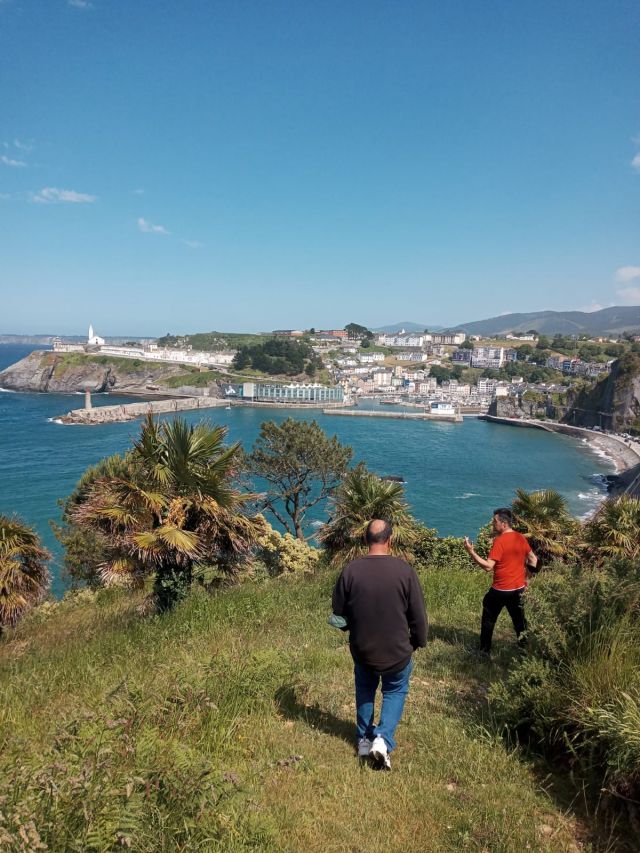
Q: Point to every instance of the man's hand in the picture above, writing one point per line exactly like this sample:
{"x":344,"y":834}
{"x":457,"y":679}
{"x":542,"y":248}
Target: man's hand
{"x":468,"y":544}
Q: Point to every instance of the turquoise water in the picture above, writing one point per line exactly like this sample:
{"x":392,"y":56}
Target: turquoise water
{"x":455,"y":473}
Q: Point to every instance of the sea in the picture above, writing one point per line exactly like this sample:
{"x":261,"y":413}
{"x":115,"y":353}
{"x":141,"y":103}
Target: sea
{"x":455,"y":474}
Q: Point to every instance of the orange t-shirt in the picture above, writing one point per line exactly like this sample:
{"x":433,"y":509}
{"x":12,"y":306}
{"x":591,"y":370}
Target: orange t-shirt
{"x":510,"y":551}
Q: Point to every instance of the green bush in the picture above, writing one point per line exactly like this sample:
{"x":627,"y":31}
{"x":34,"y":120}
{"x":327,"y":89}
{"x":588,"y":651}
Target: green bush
{"x":285,"y":554}
{"x":578,"y":689}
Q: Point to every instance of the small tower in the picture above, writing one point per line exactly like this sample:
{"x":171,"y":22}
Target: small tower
{"x":87,"y":398}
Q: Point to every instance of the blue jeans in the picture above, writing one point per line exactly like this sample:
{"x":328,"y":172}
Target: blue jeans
{"x":395,"y":686}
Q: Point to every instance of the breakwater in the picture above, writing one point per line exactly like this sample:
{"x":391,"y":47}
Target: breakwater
{"x":132,"y":411}
{"x":408,"y":416}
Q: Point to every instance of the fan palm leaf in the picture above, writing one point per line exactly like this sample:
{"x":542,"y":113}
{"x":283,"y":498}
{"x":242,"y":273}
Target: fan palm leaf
{"x":24,"y":577}
{"x":544,"y":519}
{"x":362,"y":497}
{"x":179,"y":508}
{"x":614,"y":530}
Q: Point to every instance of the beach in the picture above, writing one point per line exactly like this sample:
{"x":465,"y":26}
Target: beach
{"x":623,"y":454}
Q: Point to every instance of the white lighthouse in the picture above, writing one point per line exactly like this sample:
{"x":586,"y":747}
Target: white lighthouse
{"x":94,"y":340}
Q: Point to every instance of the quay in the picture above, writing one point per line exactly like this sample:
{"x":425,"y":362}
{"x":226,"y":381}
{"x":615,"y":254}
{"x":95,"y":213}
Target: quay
{"x":132,"y":411}
{"x":409,"y":416}
{"x":91,"y":416}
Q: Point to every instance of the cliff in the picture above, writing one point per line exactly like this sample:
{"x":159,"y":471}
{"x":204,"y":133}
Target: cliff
{"x":530,"y":405}
{"x":613,"y":402}
{"x":65,"y":373}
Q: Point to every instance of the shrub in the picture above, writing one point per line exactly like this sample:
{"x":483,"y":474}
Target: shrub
{"x":578,"y":690}
{"x":286,"y":554}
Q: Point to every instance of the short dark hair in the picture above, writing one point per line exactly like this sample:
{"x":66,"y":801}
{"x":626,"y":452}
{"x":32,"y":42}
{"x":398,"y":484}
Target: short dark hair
{"x":383,"y":534}
{"x":504,"y":514}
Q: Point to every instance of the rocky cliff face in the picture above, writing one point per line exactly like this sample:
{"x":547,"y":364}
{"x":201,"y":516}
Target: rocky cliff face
{"x":613,"y":402}
{"x":526,"y":406}
{"x":67,"y":373}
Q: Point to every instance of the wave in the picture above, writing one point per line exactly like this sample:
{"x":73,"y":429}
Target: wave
{"x":55,"y":421}
{"x":7,"y":391}
{"x":467,"y":495}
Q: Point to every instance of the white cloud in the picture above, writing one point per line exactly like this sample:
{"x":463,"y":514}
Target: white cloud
{"x":52,"y":195}
{"x":80,"y":4}
{"x":630,"y":295}
{"x":636,"y":162}
{"x":625,"y":274}
{"x":139,"y":191}
{"x":5,"y":196}
{"x":16,"y":164}
{"x":149,"y":228}
{"x":22,"y":146}
{"x":193,"y":244}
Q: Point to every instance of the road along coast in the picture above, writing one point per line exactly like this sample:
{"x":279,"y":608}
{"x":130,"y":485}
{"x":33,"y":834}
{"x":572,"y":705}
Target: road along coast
{"x":624,"y":454}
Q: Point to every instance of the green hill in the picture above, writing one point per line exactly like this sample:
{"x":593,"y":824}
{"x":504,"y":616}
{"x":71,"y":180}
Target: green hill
{"x":608,"y":321}
{"x":227,"y":725}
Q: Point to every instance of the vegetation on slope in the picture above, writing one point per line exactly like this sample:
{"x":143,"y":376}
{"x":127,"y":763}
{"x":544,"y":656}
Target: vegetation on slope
{"x":227,"y":725}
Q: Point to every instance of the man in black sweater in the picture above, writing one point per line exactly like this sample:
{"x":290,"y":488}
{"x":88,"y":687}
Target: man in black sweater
{"x":381,"y":600}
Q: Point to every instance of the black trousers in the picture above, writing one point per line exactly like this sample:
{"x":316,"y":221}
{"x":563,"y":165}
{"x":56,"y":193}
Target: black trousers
{"x":492,"y":605}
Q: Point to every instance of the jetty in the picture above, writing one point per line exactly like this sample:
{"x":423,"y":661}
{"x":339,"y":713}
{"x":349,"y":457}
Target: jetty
{"x":132,"y":411}
{"x":405,"y":416}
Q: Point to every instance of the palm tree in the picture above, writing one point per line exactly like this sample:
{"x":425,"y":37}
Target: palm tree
{"x":177,"y":510}
{"x":362,"y":497}
{"x":614,"y":531}
{"x":544,"y":519}
{"x":24,"y":577}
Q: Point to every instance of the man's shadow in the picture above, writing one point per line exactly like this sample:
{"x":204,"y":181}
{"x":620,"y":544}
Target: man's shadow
{"x":315,"y":716}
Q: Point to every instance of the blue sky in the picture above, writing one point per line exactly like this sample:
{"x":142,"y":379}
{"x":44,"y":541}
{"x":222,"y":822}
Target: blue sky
{"x":198,"y":165}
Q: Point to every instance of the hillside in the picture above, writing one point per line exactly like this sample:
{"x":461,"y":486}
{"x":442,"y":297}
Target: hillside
{"x":608,"y":321}
{"x":613,"y":402}
{"x":227,"y":725}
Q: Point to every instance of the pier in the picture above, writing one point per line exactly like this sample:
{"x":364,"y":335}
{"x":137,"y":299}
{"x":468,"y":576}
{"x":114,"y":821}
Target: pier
{"x":132,"y":411}
{"x":406,"y":416}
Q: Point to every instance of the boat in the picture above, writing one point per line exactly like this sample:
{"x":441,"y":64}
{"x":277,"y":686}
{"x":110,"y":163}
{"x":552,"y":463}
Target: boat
{"x":393,"y":478}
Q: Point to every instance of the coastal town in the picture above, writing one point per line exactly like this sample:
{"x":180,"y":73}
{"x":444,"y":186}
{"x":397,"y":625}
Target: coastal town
{"x":446,"y":373}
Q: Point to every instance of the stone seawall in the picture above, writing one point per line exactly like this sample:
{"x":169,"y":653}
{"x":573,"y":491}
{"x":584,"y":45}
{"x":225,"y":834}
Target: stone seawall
{"x":132,"y":411}
{"x":411,"y":416}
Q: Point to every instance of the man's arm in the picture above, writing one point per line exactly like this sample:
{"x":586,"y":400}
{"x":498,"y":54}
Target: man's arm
{"x":532,"y":560}
{"x":417,"y":614}
{"x":339,"y":600}
{"x":487,"y":565}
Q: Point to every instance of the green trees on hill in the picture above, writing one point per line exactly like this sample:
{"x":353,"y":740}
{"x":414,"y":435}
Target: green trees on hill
{"x":278,"y":356}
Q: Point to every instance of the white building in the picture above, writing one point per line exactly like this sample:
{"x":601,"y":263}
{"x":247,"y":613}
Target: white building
{"x":448,"y":338}
{"x":401,"y":340}
{"x":94,"y":340}
{"x":371,"y":357}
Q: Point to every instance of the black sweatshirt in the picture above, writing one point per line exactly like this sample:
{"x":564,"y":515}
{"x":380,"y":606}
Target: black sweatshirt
{"x":382,"y":601}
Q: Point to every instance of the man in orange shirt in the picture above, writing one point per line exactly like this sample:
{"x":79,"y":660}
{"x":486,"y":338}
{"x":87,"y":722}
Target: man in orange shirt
{"x":508,"y":559}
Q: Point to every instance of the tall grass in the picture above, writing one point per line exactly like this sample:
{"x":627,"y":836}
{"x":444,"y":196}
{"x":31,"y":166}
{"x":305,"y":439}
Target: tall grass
{"x":228,"y":725}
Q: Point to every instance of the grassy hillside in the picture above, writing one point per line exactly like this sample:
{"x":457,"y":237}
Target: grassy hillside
{"x":227,"y":725}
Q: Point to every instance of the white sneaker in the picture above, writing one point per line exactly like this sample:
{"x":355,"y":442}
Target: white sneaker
{"x":364,"y":747}
{"x":379,"y":754}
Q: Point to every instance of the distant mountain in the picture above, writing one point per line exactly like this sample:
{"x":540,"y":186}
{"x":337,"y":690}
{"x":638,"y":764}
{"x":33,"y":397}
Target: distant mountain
{"x":608,"y":321}
{"x":408,"y":327}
